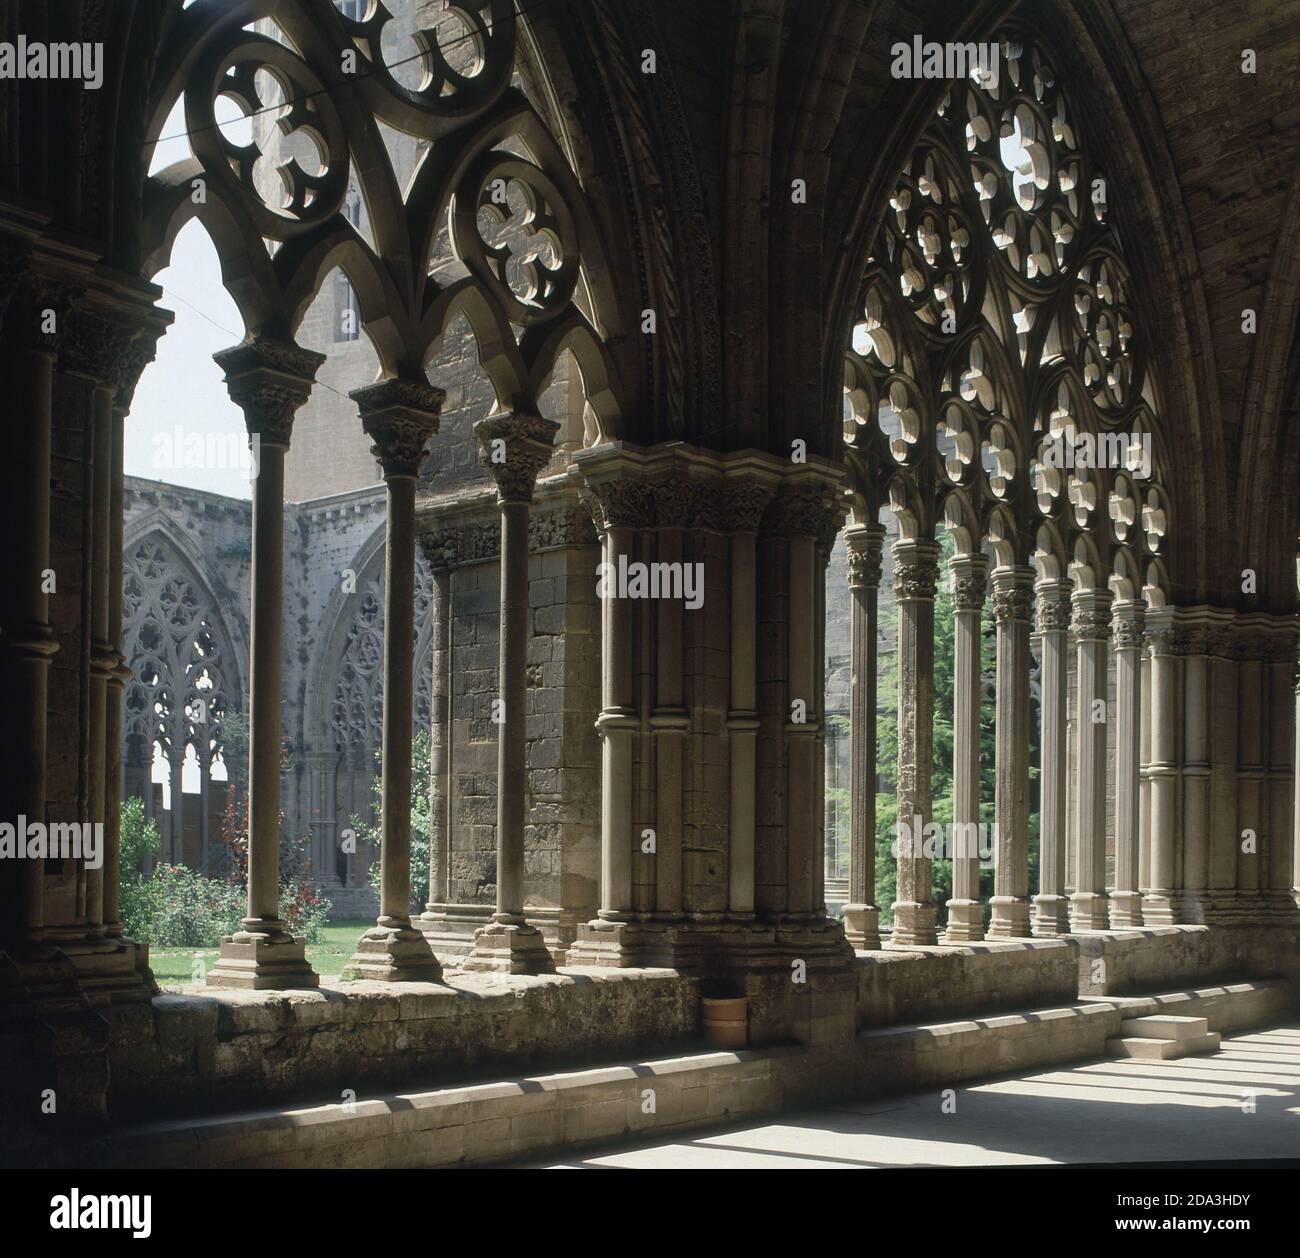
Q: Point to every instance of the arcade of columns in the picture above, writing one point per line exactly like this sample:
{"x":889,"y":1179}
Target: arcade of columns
{"x":710,"y":723}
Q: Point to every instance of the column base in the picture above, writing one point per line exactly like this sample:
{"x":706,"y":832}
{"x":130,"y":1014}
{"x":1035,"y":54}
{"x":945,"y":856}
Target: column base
{"x":1158,"y":908}
{"x":262,"y":960}
{"x":507,"y":948}
{"x":1125,"y":910}
{"x":862,"y":927}
{"x":1051,"y":916}
{"x":393,"y":954}
{"x":112,"y":970}
{"x":1088,"y":911}
{"x":915,"y":925}
{"x":965,"y":922}
{"x":1010,"y":918}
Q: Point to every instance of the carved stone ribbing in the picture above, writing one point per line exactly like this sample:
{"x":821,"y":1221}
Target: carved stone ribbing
{"x":269,"y":380}
{"x":515,"y":448}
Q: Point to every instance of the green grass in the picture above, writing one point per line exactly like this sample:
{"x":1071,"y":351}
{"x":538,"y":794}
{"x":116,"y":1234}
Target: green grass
{"x":338,"y":941}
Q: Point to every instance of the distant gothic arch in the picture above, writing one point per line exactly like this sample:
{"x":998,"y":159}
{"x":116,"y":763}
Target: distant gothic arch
{"x":188,"y":667}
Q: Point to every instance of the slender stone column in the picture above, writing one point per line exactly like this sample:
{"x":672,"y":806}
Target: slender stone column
{"x":1282,"y":785}
{"x":916,"y":571}
{"x":94,"y":350}
{"x":27,"y":642}
{"x":620,"y":506}
{"x":515,"y":448}
{"x":965,"y":911}
{"x":1125,"y":898}
{"x":399,"y":416}
{"x":1012,"y":602}
{"x":269,"y":380}
{"x":745,"y":504}
{"x":1163,"y":771}
{"x":1051,"y":916}
{"x":861,"y":914}
{"x":1091,"y":625}
{"x":437,"y":548}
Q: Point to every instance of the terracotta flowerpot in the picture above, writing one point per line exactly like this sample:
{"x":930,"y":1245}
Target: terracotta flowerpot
{"x":726,"y":1021}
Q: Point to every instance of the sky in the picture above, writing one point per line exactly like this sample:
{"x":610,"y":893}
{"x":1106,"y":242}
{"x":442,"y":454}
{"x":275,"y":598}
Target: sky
{"x":183,"y":386}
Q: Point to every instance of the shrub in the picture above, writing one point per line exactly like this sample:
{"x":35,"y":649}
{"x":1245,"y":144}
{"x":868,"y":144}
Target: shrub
{"x":421,"y":820}
{"x":175,"y":907}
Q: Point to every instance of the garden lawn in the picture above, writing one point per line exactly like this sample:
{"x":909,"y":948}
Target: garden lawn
{"x":328,"y":955}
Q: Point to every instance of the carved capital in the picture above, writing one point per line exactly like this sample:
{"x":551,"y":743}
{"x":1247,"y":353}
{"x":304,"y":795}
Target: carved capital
{"x":675,"y":501}
{"x":515,"y":448}
{"x":1090,"y":621}
{"x":916,"y":570}
{"x":565,"y":525}
{"x":622,"y":503}
{"x":1052,"y":607}
{"x":864,"y":557}
{"x":744,"y":503}
{"x":1127,"y":628}
{"x":813,"y":512}
{"x":269,"y":380}
{"x":399,"y":417}
{"x":441,"y":547}
{"x":1013,"y":595}
{"x":95,"y":346}
{"x":969,"y":582}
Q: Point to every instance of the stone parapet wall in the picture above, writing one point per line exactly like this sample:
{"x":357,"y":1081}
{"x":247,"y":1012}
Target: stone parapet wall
{"x":904,"y":986}
{"x":1154,"y":958}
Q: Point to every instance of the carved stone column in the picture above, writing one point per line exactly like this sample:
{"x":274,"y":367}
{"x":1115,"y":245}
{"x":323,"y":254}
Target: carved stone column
{"x":965,"y":911}
{"x":268,"y":380}
{"x":27,"y":642}
{"x":94,"y":350}
{"x":1051,"y":908}
{"x":620,"y":506}
{"x":1091,"y":625}
{"x":1125,"y":898}
{"x":1012,"y":601}
{"x":745,"y":505}
{"x":439,"y":548}
{"x":515,"y":448}
{"x":916,"y":572}
{"x":399,"y":416}
{"x":861,"y":914}
{"x":1163,"y":770}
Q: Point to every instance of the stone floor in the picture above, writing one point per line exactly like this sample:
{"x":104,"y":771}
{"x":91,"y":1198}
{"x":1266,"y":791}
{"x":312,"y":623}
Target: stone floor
{"x":1242,"y":1102}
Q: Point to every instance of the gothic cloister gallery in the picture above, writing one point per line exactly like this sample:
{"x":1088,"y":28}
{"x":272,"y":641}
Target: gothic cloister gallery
{"x":767,"y":576}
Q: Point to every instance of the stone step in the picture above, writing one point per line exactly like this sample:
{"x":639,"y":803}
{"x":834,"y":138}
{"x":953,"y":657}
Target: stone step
{"x":1159,"y":1049}
{"x":1165,"y":1027}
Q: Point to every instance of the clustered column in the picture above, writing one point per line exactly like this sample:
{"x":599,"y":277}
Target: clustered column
{"x":1091,"y":624}
{"x":1012,"y":600}
{"x":268,"y":380}
{"x":1051,"y":916}
{"x":399,"y":416}
{"x":916,"y":573}
{"x":861,"y":914}
{"x":515,"y":448}
{"x":1126,"y":899}
{"x":965,"y":911}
